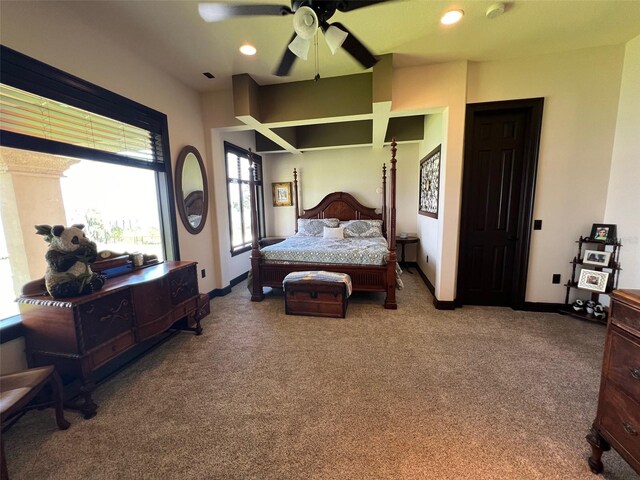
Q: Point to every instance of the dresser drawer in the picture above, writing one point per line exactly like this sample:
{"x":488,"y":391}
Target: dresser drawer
{"x":105,"y":318}
{"x":183,"y":284}
{"x":624,"y":365}
{"x":625,"y":317}
{"x":620,"y":416}
{"x":112,"y":349}
{"x":185,"y":309}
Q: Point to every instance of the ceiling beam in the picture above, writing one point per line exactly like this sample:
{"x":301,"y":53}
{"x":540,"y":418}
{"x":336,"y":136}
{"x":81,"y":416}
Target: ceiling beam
{"x":381,"y":99}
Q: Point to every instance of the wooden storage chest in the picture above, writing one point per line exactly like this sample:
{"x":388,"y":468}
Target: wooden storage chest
{"x":317,"y":294}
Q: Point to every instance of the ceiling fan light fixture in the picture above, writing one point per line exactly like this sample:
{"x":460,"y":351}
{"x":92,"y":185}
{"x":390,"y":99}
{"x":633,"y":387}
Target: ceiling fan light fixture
{"x":451,"y":17}
{"x":305,"y":22}
{"x":248,"y":49}
{"x":335,"y":37}
{"x":495,"y":10}
{"x":211,"y":12}
{"x":300,"y":47}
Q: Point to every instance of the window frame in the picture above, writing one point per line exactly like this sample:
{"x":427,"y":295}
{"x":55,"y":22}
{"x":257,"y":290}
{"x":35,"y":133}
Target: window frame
{"x":31,"y":75}
{"x":259,"y":186}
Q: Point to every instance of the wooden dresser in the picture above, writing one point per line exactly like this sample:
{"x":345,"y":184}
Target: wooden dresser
{"x":81,"y":334}
{"x":617,"y":422}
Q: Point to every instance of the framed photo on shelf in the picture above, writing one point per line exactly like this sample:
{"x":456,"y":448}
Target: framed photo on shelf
{"x":593,"y":280}
{"x":282,"y":194}
{"x":430,"y":183}
{"x":595,"y":257}
{"x":603,"y":232}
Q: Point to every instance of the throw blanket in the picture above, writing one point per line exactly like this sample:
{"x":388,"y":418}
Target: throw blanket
{"x":321,"y":276}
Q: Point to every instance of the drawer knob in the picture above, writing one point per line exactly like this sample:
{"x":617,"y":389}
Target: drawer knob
{"x":635,"y":372}
{"x":629,"y":429}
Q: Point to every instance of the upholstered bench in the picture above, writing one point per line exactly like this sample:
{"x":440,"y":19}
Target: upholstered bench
{"x":317,"y":293}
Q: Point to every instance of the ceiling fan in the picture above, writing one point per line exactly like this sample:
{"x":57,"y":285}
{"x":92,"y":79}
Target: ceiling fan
{"x":308,"y":17}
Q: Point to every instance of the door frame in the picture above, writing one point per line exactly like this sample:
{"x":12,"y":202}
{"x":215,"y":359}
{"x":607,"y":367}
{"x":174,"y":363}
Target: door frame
{"x":532,"y":107}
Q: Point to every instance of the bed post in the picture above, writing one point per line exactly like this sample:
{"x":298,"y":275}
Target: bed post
{"x":295,"y":199}
{"x":385,"y":224}
{"x":390,"y":301}
{"x":256,"y":285}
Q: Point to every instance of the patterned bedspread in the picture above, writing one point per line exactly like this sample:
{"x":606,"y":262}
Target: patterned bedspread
{"x":353,"y":251}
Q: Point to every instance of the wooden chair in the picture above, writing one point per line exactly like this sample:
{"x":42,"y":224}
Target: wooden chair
{"x":16,"y":392}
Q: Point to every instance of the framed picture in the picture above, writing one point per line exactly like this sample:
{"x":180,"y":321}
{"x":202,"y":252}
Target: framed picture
{"x":282,"y":194}
{"x":604,"y":232}
{"x":430,"y":183}
{"x":592,"y":280}
{"x":595,"y":257}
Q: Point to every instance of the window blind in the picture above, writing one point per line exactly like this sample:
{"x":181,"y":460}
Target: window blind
{"x":29,"y":114}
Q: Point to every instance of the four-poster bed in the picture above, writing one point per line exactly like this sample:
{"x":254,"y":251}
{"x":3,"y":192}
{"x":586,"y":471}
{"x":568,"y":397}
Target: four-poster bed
{"x":379,"y":276}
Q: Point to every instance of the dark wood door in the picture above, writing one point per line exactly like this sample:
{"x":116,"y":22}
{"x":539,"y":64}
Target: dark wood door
{"x":497,"y":199}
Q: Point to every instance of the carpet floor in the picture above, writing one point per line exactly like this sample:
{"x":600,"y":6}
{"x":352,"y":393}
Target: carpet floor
{"x":417,"y":393}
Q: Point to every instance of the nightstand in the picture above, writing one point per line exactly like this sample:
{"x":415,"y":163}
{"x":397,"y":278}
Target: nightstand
{"x":404,"y":241}
{"x":266,"y":241}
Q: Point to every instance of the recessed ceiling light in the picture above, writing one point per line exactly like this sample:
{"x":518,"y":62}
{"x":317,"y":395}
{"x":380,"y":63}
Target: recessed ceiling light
{"x":248,"y":49}
{"x":451,"y":17}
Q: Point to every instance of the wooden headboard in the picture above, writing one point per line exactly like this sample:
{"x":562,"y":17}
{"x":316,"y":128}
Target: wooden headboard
{"x":343,"y":206}
{"x":194,"y":202}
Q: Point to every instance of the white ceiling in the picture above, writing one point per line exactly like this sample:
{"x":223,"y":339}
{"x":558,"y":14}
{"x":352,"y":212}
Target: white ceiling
{"x":171,"y":34}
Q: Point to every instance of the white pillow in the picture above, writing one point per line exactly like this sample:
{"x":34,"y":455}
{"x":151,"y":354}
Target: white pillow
{"x":335,"y":233}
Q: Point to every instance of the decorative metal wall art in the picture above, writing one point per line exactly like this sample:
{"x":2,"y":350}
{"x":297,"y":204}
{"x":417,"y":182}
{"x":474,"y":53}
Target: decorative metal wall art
{"x":430,"y":183}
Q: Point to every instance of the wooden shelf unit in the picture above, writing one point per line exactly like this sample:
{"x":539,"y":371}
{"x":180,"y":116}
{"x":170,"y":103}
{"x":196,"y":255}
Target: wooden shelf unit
{"x":577,"y":265}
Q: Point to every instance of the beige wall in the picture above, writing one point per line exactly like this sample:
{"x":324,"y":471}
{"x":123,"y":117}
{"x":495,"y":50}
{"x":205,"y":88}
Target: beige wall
{"x":623,"y":195}
{"x":581,"y":91}
{"x":231,"y":267}
{"x":52,"y":37}
{"x":429,"y":228}
{"x":438,"y":88}
{"x":354,"y":170}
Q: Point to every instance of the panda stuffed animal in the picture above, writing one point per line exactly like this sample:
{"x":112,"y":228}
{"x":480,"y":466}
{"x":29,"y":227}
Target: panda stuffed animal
{"x":70,"y":253}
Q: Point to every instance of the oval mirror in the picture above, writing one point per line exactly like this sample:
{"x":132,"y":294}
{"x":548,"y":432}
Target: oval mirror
{"x":192,"y":197}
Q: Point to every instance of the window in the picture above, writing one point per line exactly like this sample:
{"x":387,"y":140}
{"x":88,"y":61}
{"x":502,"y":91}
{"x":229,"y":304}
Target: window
{"x":237,"y":165}
{"x":72,"y":152}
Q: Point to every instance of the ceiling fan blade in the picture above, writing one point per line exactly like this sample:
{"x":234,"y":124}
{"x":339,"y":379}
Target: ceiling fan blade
{"x":288,"y":58}
{"x":356,"y":49}
{"x":348,"y":5}
{"x":216,"y":12}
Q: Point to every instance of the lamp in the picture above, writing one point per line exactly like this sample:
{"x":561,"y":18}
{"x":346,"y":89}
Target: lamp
{"x":305,"y":22}
{"x":335,"y":37}
{"x":300,"y":47}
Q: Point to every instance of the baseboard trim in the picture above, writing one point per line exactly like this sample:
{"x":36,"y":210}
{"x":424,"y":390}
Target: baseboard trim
{"x":542,"y":307}
{"x":426,"y":281}
{"x":545,"y":307}
{"x":221,"y":292}
{"x":444,"y":304}
{"x":439,"y":304}
{"x":239,"y":279}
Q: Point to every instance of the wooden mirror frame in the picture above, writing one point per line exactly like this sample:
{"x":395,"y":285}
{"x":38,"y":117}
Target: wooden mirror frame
{"x":180,"y":198}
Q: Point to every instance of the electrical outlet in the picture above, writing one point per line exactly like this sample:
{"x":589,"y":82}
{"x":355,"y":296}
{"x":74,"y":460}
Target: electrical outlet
{"x":556,"y":278}
{"x":537,"y":224}
{"x":203,"y":272}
